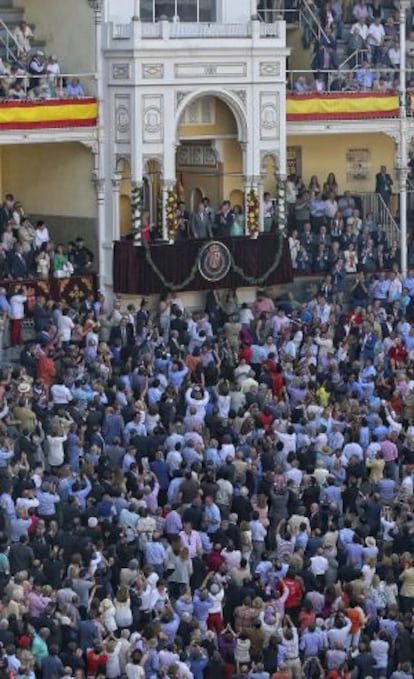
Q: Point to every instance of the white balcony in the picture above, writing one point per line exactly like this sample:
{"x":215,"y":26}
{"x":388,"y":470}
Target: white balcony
{"x":124,"y":36}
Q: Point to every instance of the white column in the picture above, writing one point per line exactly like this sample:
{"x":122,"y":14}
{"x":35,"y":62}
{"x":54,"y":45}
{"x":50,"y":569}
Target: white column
{"x":137,"y":10}
{"x":116,"y":185}
{"x":99,"y":172}
{"x":100,"y":199}
{"x":403,"y":150}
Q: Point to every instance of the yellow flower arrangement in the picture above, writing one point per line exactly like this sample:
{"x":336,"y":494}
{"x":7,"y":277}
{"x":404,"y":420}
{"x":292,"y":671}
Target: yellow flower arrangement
{"x":253,"y":212}
{"x":171,"y":214}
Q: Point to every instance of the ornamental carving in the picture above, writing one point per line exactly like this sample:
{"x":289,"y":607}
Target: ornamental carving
{"x":152,"y":71}
{"x":121,"y":71}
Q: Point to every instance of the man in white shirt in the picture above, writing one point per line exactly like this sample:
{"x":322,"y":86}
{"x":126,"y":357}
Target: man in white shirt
{"x":17,"y":302}
{"x":65,"y":327}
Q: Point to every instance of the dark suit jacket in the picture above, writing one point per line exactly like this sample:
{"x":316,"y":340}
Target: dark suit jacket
{"x":383,"y":183}
{"x":18,"y":266}
{"x":117,"y":334}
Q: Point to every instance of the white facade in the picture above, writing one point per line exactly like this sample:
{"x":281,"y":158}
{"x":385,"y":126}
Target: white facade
{"x":150,"y":72}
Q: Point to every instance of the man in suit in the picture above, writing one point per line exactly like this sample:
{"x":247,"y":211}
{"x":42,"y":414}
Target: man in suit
{"x":200,"y":226}
{"x":18,"y":264}
{"x":224,"y":220}
{"x":124,"y":331}
{"x":6,"y":210}
{"x":383,"y":184}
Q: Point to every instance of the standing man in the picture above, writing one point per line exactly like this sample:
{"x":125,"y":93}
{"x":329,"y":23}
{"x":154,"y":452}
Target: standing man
{"x":383,"y":184}
{"x":200,"y":226}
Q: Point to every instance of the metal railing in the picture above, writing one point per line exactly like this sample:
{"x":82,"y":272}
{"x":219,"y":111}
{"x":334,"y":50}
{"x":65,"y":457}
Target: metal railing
{"x":351,"y":81}
{"x":375,"y":204}
{"x":354,"y":60}
{"x":204,"y":30}
{"x":9,"y":42}
{"x":42,"y":87}
{"x":310,"y":18}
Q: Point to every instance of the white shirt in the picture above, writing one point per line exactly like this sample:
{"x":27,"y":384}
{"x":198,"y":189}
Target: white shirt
{"x":376,"y":34}
{"x":319,"y":565}
{"x":65,"y":325}
{"x":42,"y":236}
{"x":17,"y":303}
{"x":60,"y":394}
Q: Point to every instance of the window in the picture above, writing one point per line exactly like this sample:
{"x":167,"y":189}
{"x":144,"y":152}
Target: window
{"x":200,"y":112}
{"x":185,"y":10}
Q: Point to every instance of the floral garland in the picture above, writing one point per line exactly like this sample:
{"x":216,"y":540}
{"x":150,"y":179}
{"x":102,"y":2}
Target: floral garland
{"x":253,"y":212}
{"x":171,"y":214}
{"x":281,"y":205}
{"x":136,"y":208}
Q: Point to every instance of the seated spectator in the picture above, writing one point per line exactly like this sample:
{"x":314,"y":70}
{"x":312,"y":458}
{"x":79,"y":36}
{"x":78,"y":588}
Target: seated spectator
{"x":394,"y":54}
{"x":74,"y":88}
{"x":365,"y":77}
{"x":301,"y":86}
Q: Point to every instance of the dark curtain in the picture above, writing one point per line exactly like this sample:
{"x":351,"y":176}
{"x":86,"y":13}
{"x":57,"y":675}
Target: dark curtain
{"x":132,"y":273}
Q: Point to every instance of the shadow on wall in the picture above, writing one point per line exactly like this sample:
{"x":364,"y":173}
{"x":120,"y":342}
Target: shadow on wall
{"x":65,"y":229}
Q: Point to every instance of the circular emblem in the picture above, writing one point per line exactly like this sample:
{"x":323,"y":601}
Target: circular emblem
{"x":214,"y":261}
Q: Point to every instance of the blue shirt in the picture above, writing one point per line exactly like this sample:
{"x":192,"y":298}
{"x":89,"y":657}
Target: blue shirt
{"x":213,"y":517}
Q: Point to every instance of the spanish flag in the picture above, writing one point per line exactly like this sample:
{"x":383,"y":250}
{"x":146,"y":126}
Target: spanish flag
{"x":53,"y":113}
{"x":341,"y":106}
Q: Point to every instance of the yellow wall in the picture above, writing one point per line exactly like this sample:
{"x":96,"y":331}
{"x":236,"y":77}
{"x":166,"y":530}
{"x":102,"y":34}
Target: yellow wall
{"x":322,"y":154}
{"x":299,"y":58}
{"x":52,"y":179}
{"x":233,"y":163}
{"x":68,"y":28}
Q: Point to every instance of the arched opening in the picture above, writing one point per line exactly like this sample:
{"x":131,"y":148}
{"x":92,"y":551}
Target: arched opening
{"x":209,"y":153}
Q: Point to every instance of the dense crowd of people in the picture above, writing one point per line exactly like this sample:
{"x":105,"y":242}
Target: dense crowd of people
{"x":369,"y":32}
{"x":28,"y":251}
{"x":29,"y":74}
{"x":330,"y":233}
{"x":225,"y":493}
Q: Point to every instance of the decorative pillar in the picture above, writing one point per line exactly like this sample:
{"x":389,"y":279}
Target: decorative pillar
{"x":116,"y":185}
{"x":98,"y":177}
{"x":403,"y":148}
{"x":136,"y":212}
{"x":281,"y":204}
{"x":137,"y":10}
{"x":99,"y":184}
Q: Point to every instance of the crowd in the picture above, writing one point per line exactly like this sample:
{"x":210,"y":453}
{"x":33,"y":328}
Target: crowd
{"x":27,"y":251}
{"x":225,"y":493}
{"x":31,"y":74}
{"x":369,"y":32}
{"x":329,"y":232}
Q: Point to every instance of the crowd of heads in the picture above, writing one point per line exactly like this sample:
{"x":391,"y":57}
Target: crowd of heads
{"x":220,"y":493}
{"x":28,"y":251}
{"x":28,"y":73}
{"x":369,"y":32}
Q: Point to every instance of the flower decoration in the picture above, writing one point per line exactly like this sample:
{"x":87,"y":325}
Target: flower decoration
{"x":171,"y":214}
{"x":281,"y":205}
{"x":253,"y":212}
{"x":136,"y":207}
